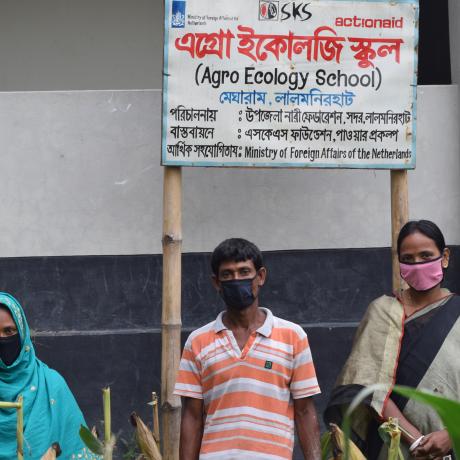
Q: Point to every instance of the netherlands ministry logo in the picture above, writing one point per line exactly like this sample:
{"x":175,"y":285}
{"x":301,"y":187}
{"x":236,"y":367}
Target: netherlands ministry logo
{"x":178,"y":14}
{"x":268,"y":10}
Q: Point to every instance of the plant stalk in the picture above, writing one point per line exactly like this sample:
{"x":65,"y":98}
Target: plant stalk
{"x":108,"y":447}
{"x":9,"y":405}
{"x":20,"y":429}
{"x":156,"y":421}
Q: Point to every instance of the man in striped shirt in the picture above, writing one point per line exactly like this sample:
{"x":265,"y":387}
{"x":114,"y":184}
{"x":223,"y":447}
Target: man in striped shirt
{"x":247,"y":377}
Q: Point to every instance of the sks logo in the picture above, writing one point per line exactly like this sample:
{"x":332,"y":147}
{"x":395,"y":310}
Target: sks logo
{"x":295,"y":10}
{"x":271,"y":11}
{"x":268,"y":10}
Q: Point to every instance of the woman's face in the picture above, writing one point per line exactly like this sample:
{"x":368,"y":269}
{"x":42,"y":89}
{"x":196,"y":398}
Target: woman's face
{"x":7,"y":324}
{"x":418,"y":247}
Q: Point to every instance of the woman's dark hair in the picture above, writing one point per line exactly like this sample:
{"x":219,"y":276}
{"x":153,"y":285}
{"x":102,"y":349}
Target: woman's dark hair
{"x":5,"y":308}
{"x":235,"y":250}
{"x":425,"y":227}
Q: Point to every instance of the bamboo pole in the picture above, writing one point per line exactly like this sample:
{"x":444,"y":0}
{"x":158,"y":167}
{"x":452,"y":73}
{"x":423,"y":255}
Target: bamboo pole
{"x":171,"y":317}
{"x":399,"y":216}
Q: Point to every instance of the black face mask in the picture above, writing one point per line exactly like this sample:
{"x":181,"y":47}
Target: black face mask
{"x":237,"y":294}
{"x":10,"y":348}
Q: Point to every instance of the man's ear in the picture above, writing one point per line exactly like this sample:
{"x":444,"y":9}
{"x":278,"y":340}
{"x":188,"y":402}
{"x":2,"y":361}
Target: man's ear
{"x":215,"y":282}
{"x":262,"y":276}
{"x":445,"y":258}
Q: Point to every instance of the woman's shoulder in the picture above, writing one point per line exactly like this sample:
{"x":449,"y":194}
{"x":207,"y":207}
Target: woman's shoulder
{"x":384,"y":301}
{"x":54,"y":379}
{"x":384,"y":306}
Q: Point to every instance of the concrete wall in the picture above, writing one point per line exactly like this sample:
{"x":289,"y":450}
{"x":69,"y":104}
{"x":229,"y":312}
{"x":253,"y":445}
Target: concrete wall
{"x":51,"y":45}
{"x":82,"y":191}
{"x":108,"y":44}
{"x":81,"y":175}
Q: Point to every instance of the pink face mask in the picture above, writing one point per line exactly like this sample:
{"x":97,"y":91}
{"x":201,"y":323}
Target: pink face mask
{"x":422,"y":276}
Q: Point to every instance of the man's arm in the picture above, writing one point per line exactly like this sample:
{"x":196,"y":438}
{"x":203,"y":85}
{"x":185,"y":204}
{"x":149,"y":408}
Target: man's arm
{"x":191,"y":429}
{"x":307,"y":425}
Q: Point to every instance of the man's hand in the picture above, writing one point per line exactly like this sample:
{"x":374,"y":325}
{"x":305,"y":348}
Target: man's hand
{"x":191,"y":429}
{"x":434,"y":445}
{"x":307,"y":426}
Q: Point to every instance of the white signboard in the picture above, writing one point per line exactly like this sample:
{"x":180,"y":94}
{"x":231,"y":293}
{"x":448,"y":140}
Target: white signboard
{"x":265,"y":83}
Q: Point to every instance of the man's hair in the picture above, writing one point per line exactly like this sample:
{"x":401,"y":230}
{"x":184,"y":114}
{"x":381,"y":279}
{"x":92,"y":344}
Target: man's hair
{"x":425,"y":227}
{"x":235,"y":250}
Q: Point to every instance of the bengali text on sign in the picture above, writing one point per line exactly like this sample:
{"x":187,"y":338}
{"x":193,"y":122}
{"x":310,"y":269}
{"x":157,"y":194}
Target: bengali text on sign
{"x":330,"y":83}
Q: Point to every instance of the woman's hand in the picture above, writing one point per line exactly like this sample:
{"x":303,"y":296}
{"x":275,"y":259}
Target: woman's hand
{"x":434,"y":445}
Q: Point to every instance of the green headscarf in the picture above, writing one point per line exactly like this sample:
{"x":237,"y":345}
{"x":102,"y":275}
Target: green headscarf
{"x":51,"y":413}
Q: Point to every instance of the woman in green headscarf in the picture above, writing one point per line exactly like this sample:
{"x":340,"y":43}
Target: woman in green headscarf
{"x":51,"y":413}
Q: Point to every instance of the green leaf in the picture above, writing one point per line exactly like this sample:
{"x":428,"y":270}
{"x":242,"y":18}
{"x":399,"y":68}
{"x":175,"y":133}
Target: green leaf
{"x":326,"y":446}
{"x":447,"y":409}
{"x":91,"y":442}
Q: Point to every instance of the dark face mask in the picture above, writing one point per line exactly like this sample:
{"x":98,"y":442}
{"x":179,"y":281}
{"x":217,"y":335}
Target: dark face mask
{"x":237,"y":294}
{"x":10,"y":348}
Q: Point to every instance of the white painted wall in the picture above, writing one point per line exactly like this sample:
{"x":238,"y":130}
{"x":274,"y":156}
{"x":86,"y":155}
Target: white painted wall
{"x":80,"y":44}
{"x":104,"y":44}
{"x":81,"y":174}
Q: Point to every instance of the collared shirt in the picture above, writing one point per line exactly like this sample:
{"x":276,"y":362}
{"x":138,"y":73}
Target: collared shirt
{"x":249,"y":413}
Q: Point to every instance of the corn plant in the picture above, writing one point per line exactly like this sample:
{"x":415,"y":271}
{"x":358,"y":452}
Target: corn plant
{"x":155,"y":418}
{"x":447,"y":409}
{"x":104,"y":448}
{"x":390,"y":432}
{"x":145,"y":439}
{"x":148,"y":441}
{"x":333,"y":445}
{"x":19,"y":423}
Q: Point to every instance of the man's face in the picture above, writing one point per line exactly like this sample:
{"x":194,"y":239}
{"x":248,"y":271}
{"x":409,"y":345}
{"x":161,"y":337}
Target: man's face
{"x":231,"y":270}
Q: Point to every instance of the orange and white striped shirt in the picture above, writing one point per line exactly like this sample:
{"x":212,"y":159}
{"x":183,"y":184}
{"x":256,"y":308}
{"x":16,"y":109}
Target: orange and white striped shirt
{"x":248,"y":393}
